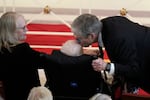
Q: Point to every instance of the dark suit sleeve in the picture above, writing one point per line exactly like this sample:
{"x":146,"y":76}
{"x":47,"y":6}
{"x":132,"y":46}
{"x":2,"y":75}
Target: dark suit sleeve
{"x":124,"y":57}
{"x":60,"y":58}
{"x":36,"y":58}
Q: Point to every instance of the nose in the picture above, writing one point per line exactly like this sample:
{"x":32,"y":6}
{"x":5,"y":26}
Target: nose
{"x":26,"y":29}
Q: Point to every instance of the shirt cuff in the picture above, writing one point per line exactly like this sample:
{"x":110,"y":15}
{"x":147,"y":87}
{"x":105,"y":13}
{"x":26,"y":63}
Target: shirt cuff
{"x":112,"y":69}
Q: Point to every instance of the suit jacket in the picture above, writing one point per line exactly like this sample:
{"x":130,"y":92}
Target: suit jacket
{"x":18,"y":71}
{"x":73,"y":76}
{"x":127,"y":45}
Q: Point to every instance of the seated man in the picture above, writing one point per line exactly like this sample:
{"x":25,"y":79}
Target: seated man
{"x":73,"y":76}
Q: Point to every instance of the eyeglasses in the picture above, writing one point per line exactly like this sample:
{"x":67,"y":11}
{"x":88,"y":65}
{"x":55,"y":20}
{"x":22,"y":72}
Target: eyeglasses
{"x":24,"y":27}
{"x":80,"y":39}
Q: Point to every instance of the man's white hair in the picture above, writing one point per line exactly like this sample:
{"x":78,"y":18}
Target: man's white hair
{"x":72,"y":48}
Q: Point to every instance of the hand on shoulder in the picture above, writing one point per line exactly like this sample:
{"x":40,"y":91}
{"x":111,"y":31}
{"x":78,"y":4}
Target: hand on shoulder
{"x":93,"y":52}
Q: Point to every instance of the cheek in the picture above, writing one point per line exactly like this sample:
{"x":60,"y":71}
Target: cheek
{"x":21,"y":35}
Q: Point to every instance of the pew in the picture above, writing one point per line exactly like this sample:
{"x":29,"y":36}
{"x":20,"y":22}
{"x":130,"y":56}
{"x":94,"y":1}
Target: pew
{"x":129,"y":96}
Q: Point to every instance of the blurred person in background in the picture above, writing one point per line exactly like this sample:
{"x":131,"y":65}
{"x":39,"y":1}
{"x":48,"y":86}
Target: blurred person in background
{"x":40,"y":93}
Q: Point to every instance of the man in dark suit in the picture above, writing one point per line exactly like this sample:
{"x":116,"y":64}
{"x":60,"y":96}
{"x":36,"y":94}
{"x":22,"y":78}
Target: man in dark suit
{"x":73,"y":77}
{"x":126,"y":42}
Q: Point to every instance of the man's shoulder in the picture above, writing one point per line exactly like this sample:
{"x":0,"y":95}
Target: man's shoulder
{"x":114,"y":18}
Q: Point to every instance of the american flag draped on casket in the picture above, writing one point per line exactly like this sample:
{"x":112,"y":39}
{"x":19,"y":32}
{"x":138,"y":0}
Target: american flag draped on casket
{"x":46,"y":37}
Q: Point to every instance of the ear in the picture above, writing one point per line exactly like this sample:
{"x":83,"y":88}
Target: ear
{"x":92,"y":37}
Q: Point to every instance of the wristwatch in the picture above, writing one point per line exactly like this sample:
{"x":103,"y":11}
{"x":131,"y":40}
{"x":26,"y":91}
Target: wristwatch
{"x":108,"y":67}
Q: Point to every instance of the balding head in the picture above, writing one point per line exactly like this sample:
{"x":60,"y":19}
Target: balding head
{"x":72,"y":48}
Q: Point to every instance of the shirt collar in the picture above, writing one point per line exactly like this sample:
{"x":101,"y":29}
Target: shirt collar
{"x":100,"y":41}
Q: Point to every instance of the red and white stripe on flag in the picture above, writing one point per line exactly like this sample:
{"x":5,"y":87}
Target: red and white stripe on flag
{"x":46,"y":37}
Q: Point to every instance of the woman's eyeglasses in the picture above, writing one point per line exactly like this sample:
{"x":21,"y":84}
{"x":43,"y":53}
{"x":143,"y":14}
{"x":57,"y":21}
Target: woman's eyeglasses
{"x":24,"y":27}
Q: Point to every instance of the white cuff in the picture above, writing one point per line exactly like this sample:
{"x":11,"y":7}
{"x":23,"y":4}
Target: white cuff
{"x":112,"y":69}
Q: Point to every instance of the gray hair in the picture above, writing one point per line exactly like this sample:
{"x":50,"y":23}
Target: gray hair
{"x":86,"y":24}
{"x":7,"y":29}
